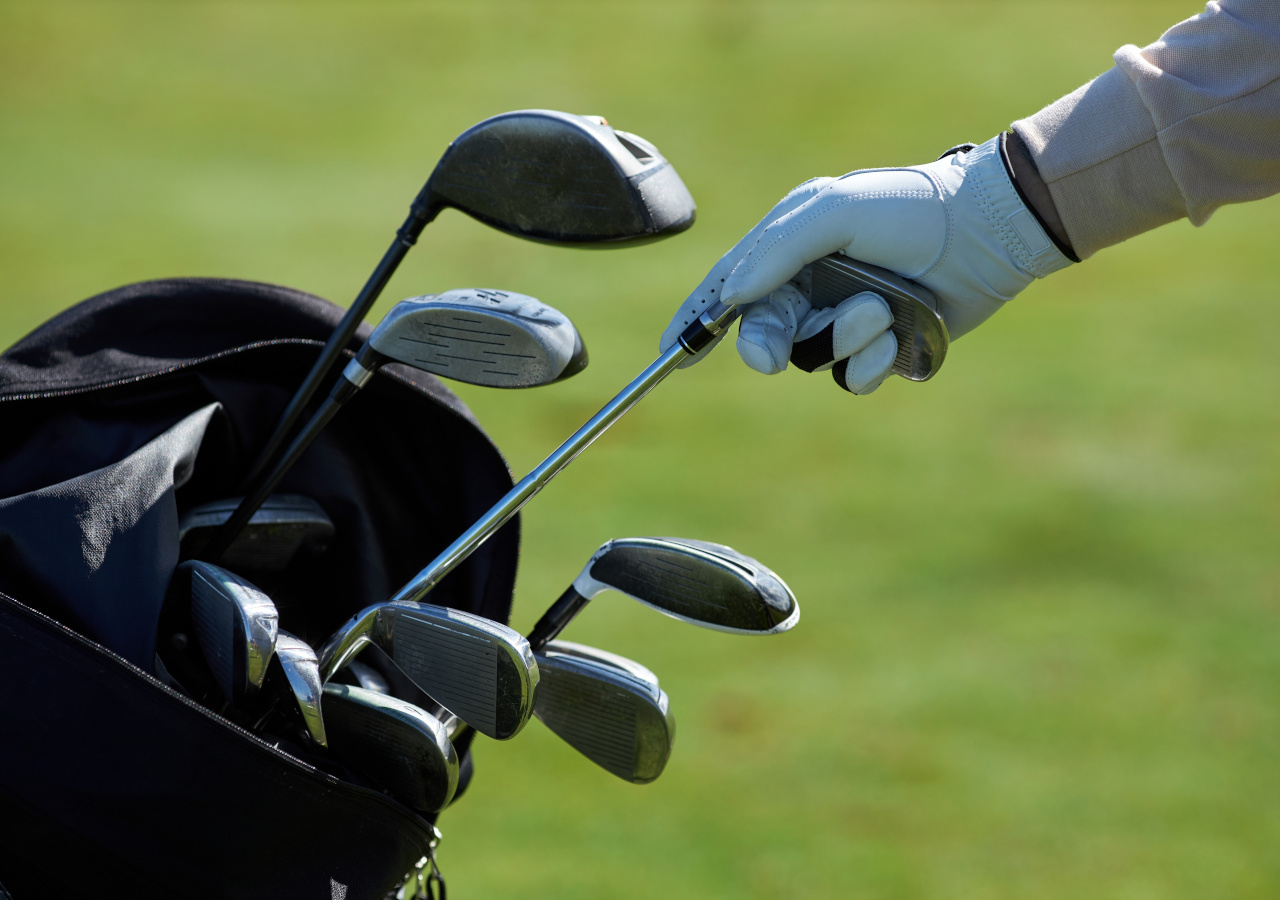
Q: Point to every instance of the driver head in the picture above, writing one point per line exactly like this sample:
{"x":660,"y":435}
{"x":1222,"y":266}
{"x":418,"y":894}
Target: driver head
{"x":619,"y":721}
{"x":486,"y":337}
{"x":699,"y":582}
{"x":562,"y":179}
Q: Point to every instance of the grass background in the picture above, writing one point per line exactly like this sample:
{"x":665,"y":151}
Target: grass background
{"x":1038,"y":654}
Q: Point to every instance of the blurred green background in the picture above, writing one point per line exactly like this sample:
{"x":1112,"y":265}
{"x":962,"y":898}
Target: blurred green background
{"x":1038,"y":656}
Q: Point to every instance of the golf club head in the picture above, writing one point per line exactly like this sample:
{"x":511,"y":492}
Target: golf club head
{"x":917,"y":324}
{"x":302,"y":671}
{"x":559,"y":178}
{"x":283,"y":526}
{"x":396,"y":744}
{"x":480,"y":670}
{"x":486,"y":337}
{"x":236,"y":626}
{"x":698,"y":582}
{"x":595,"y":654}
{"x":620,"y":722}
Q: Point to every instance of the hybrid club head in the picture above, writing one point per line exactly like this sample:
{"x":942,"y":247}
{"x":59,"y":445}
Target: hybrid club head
{"x":560,"y":178}
{"x":236,"y":626}
{"x":301,"y":670}
{"x":486,"y":337}
{"x":284,"y":526}
{"x":706,"y":584}
{"x":480,"y":670}
{"x":396,"y":744}
{"x":617,"y":720}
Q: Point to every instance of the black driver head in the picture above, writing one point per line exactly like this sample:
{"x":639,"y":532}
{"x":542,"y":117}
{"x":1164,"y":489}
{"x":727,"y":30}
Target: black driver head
{"x":561,"y":179}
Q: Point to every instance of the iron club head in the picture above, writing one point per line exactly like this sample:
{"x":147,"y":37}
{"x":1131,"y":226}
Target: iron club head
{"x":236,"y":626}
{"x":602,"y":709}
{"x":282,"y":527}
{"x":301,"y":670}
{"x":480,"y":670}
{"x":706,"y":584}
{"x":396,"y":744}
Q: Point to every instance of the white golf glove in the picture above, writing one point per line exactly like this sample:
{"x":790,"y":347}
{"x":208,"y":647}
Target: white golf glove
{"x":956,"y":226}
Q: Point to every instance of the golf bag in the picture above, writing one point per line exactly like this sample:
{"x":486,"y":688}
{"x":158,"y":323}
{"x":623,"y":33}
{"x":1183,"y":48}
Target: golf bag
{"x":115,"y":417}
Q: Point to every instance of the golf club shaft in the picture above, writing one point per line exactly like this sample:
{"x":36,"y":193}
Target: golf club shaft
{"x":555,"y":619}
{"x":406,"y":236}
{"x":695,"y":338}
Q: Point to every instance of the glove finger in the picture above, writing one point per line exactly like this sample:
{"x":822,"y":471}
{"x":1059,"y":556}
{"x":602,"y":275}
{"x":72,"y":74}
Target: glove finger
{"x":865,"y":370}
{"x":806,"y":233}
{"x":767,"y":328}
{"x":828,"y":335}
{"x":710,"y":287}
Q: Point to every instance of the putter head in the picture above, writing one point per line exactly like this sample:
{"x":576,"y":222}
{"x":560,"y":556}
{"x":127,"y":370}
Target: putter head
{"x":561,"y":179}
{"x":480,"y":670}
{"x":492,"y":338}
{"x":917,"y":323}
{"x":695,"y":581}
{"x":301,"y":670}
{"x":620,"y":722}
{"x":396,"y":744}
{"x":283,"y":526}
{"x":236,"y":626}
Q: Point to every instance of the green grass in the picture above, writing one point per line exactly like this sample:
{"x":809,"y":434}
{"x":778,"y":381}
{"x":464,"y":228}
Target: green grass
{"x":1041,"y":594}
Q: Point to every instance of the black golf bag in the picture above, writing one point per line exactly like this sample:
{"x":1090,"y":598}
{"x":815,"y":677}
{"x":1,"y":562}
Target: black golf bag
{"x":115,"y":417}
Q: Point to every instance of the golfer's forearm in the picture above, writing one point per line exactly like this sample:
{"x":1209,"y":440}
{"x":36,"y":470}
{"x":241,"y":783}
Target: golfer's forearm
{"x":1175,"y":129}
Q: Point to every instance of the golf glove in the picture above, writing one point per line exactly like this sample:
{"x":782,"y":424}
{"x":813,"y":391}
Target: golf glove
{"x":956,"y":226}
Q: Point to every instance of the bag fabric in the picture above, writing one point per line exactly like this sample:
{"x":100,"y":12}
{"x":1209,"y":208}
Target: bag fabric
{"x":115,"y":417}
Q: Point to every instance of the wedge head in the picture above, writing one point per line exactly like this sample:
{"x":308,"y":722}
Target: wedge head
{"x":706,"y":584}
{"x":619,"y":721}
{"x":486,"y":337}
{"x":301,"y":670}
{"x":561,"y":178}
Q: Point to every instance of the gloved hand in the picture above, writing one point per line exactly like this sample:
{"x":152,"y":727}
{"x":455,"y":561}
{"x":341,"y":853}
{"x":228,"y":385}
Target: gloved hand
{"x":956,"y":226}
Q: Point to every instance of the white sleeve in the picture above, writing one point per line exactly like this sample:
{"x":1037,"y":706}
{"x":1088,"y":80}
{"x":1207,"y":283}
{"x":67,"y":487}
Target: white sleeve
{"x":1176,"y":128}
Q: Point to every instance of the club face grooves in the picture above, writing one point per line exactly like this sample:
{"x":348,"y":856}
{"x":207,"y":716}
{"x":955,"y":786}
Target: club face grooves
{"x":620,"y":722}
{"x":708,"y":584}
{"x":479,"y":670}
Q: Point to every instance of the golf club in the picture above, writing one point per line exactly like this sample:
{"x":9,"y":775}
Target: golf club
{"x":605,"y":711}
{"x":924,"y":363}
{"x":394,"y":743}
{"x":298,"y":687}
{"x":698,"y":582}
{"x":282,"y":527}
{"x":479,"y":670}
{"x":485,"y":337}
{"x":539,"y":174}
{"x":236,"y":626}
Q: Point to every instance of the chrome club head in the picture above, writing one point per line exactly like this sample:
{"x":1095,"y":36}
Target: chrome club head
{"x":394,"y":743}
{"x":480,"y":670}
{"x":302,"y":672}
{"x":561,"y":178}
{"x":617,"y":720}
{"x":283,"y":526}
{"x":706,"y":584}
{"x":486,"y":337}
{"x":236,"y":626}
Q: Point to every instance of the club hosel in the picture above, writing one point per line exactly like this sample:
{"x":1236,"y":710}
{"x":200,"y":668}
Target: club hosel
{"x":346,"y":643}
{"x":422,"y":212}
{"x":357,"y":373}
{"x":555,"y":619}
